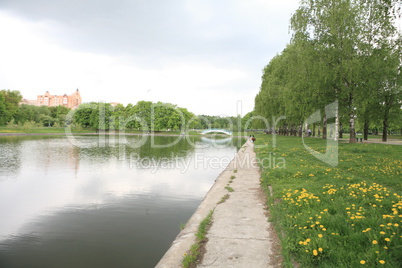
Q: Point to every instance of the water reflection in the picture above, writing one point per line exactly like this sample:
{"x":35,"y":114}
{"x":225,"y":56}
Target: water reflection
{"x":9,"y":160}
{"x":113,"y":235}
{"x":214,"y":141}
{"x":99,"y":203}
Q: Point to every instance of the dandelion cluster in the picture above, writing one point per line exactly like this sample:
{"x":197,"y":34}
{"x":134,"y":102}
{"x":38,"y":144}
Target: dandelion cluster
{"x":351,"y":213}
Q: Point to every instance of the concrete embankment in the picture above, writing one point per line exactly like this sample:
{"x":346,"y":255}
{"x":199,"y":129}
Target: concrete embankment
{"x":240,"y":234}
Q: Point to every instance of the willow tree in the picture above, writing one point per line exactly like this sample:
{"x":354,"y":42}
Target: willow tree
{"x":342,"y":36}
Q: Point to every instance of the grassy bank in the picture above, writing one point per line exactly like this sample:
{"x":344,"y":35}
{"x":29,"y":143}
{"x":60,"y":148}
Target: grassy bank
{"x":76,"y":130}
{"x":36,"y":130}
{"x":43,"y":130}
{"x":375,"y":137}
{"x":344,"y":216}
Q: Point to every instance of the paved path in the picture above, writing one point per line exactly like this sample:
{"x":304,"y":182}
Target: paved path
{"x":240,"y":233}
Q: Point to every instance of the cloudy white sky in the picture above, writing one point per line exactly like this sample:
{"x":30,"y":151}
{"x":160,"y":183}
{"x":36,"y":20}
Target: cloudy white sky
{"x":204,"y":55}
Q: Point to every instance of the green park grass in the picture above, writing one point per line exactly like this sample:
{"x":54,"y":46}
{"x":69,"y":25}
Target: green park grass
{"x":344,"y":216}
{"x":43,"y":130}
{"x":61,"y":130}
{"x":376,"y":137}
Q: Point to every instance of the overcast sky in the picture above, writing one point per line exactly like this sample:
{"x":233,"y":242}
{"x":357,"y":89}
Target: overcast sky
{"x":203,"y":55}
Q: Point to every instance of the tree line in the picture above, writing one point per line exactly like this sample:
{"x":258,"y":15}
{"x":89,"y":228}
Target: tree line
{"x":144,"y":116}
{"x":15,"y":114}
{"x":345,"y":52}
{"x":147,"y":116}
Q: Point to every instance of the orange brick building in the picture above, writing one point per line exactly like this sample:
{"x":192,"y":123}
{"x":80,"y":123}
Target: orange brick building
{"x":70,"y":101}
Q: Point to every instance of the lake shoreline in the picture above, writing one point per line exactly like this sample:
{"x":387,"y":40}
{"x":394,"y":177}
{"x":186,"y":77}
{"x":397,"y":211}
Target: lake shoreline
{"x":244,"y":204}
{"x":112,"y":134}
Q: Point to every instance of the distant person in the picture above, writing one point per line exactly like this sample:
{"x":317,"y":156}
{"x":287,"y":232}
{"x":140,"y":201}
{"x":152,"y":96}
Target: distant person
{"x":252,"y":138}
{"x":309,"y":132}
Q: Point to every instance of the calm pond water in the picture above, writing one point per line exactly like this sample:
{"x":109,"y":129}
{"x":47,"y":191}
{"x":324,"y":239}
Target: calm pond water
{"x":93,"y":202}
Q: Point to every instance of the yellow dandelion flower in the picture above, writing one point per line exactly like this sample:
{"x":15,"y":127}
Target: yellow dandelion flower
{"x":382,"y":232}
{"x":381,"y":261}
{"x":387,"y":239}
{"x":320,"y":249}
{"x":315,"y":252}
{"x":362,"y":262}
{"x":375,"y":242}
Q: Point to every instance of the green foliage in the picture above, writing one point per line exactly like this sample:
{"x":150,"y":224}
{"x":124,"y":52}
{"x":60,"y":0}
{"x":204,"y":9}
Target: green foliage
{"x":250,"y":122}
{"x":224,"y":198}
{"x":144,"y":116}
{"x":231,"y":123}
{"x":3,"y":119}
{"x":48,"y":121}
{"x":15,"y":114}
{"x":9,"y":105}
{"x":82,"y":116}
{"x":345,"y":51}
{"x":230,"y":189}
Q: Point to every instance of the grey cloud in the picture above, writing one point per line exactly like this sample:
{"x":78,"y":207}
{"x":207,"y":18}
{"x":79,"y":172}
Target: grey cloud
{"x":147,"y":28}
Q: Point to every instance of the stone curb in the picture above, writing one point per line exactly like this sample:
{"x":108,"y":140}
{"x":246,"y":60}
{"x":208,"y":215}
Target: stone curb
{"x":186,"y":238}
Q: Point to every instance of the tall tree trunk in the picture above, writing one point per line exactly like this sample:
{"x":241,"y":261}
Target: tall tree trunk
{"x":366,"y":128}
{"x":314,"y":131}
{"x":336,"y":134}
{"x":352,"y":129}
{"x":385,"y":120}
{"x":385,"y":129}
{"x":340,"y":130}
{"x":324,"y":127}
{"x":300,"y":130}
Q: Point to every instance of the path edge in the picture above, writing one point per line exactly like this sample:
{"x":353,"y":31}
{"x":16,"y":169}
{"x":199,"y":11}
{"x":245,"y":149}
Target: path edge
{"x":186,"y":238}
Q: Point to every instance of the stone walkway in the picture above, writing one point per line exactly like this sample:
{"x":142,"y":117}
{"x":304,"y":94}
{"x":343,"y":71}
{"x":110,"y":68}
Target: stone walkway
{"x":240,"y":233}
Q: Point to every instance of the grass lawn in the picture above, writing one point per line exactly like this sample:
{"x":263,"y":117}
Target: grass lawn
{"x":90,"y":130}
{"x":344,"y":216}
{"x":375,"y":137}
{"x":42,"y":130}
{"x":79,"y":130}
